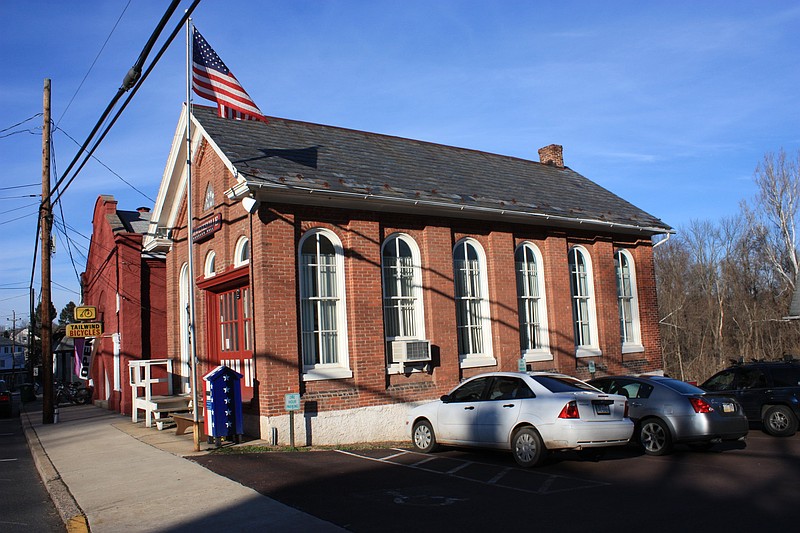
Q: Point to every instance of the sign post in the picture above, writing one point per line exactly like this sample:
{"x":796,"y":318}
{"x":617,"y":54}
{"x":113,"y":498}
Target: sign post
{"x":292,"y":404}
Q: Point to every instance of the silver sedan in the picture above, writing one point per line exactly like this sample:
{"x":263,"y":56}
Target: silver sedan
{"x":526,"y":413}
{"x":668,"y":411}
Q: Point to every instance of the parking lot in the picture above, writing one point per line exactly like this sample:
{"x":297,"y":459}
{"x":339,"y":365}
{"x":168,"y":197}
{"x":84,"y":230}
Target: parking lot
{"x":396,"y":489}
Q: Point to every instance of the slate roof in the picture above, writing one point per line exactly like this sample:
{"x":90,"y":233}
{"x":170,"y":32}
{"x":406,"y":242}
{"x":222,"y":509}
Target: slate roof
{"x":129,"y":221}
{"x":287,"y":154}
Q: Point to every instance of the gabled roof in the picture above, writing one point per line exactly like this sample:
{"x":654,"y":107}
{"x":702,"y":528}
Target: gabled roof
{"x":299,"y":162}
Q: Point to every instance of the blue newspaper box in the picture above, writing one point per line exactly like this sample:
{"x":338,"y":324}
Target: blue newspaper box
{"x":223,"y":418}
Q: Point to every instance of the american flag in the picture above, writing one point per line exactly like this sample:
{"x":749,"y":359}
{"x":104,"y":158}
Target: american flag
{"x":212,"y":80}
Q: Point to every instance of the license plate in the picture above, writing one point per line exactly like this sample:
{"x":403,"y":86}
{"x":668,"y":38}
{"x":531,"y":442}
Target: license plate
{"x":602,"y":409}
{"x":728,"y":408}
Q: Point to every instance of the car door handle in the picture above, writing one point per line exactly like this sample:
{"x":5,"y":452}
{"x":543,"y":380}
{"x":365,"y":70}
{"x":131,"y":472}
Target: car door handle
{"x":636,"y":404}
{"x":469,"y":408}
{"x":508,"y":405}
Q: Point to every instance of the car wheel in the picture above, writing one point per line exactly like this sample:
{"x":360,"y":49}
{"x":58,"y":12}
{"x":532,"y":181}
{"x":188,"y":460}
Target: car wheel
{"x":779,"y":421}
{"x":655,"y":437}
{"x":424,"y":439}
{"x":527,"y":447}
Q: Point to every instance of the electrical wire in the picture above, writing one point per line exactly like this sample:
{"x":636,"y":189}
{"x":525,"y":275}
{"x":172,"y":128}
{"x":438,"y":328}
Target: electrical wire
{"x":21,"y":123}
{"x":61,"y":208}
{"x":18,"y":187}
{"x":136,"y":85}
{"x":123,"y":180}
{"x":93,"y":62}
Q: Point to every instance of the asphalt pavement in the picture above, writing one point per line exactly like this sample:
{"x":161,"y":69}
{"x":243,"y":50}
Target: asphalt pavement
{"x":105,"y":473}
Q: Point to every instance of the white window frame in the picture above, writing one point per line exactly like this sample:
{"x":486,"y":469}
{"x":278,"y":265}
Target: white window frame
{"x":583,"y":347}
{"x":210,"y":266}
{"x":341,"y":367}
{"x":628,"y":313}
{"x":484,"y":357}
{"x":541,"y":352}
{"x":242,"y":246}
{"x":415,"y":298}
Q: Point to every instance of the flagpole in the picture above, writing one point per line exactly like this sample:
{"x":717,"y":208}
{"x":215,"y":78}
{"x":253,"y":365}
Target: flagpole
{"x":190,"y":238}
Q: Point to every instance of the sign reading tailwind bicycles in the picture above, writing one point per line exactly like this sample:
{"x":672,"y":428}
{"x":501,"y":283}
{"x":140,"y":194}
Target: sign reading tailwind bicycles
{"x":85,"y":329}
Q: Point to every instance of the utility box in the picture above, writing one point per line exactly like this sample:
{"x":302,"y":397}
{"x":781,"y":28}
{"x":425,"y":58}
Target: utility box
{"x":223,"y":399}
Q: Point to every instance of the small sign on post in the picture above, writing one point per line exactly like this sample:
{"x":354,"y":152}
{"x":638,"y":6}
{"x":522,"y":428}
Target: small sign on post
{"x":522,"y":366}
{"x":291,"y":403}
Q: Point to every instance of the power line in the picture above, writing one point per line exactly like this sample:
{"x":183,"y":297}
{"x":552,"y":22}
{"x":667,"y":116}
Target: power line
{"x":21,"y":123}
{"x":93,"y":62}
{"x":18,"y":187}
{"x":132,"y":80}
{"x":126,"y":182}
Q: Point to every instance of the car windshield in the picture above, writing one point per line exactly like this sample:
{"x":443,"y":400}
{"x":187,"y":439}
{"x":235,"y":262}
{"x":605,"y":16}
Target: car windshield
{"x":563,"y":384}
{"x":681,"y":386}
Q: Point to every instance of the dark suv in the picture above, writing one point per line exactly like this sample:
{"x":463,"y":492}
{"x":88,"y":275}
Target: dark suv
{"x":769,"y":392}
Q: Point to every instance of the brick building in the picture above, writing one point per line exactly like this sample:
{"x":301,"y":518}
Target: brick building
{"x":367,"y":272}
{"x":128,"y":288}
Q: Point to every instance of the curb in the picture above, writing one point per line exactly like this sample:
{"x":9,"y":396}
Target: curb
{"x":71,"y":513}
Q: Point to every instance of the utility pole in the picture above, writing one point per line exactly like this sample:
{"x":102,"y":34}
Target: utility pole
{"x":46,"y":215}
{"x":14,"y":350}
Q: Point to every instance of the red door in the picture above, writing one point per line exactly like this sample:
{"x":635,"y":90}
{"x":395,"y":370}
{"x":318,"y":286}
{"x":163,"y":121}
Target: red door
{"x":232,"y":343}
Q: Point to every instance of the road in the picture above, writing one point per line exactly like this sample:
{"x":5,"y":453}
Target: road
{"x":25,"y":504}
{"x":390,"y":490}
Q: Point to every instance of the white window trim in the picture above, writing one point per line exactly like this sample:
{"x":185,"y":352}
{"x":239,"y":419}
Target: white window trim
{"x":543,"y":353}
{"x":419,"y":307}
{"x":183,"y":312}
{"x":340,"y":369}
{"x":634,"y":345}
{"x":210,"y":266}
{"x":237,"y":253}
{"x":592,"y":349}
{"x":487,"y":357}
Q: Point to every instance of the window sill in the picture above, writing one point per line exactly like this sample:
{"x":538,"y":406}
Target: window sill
{"x":586,"y":351}
{"x":476,"y":361}
{"x":632,"y":348}
{"x":318,"y":374}
{"x":531,"y":356}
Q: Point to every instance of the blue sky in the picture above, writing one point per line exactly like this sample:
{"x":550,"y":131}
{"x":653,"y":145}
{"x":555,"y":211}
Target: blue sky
{"x":669,"y":104}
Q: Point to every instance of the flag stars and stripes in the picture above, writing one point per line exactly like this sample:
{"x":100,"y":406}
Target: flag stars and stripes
{"x":211,"y":79}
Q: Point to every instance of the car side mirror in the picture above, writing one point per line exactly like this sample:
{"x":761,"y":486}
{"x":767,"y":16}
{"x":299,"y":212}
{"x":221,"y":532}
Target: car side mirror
{"x":445,"y":398}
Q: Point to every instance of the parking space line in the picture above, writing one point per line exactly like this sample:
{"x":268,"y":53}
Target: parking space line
{"x":500,"y":475}
{"x":546,"y":486}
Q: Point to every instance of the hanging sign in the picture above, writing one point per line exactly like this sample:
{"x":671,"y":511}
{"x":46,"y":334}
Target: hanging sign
{"x":85,"y":312}
{"x":207,"y":228}
{"x":85,"y":329}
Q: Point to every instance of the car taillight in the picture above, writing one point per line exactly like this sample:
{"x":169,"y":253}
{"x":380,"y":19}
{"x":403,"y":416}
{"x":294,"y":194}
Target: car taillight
{"x":5,"y":396}
{"x":700,"y":405}
{"x":570,"y":411}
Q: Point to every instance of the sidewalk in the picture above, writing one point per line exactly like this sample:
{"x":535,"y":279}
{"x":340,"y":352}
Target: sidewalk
{"x":105,"y":473}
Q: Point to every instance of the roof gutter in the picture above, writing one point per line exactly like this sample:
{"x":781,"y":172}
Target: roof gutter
{"x":247,"y":187}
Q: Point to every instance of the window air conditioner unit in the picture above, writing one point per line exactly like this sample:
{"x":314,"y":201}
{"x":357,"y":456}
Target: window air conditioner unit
{"x":411,"y":351}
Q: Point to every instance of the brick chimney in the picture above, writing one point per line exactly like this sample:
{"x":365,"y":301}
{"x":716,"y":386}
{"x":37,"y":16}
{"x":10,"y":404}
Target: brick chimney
{"x":552,"y":155}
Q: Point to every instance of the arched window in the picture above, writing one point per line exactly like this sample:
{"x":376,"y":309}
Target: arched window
{"x":472,"y":304}
{"x":208,"y":201}
{"x":241,"y":255}
{"x":183,"y":313}
{"x":584,"y":314}
{"x":402,"y":290}
{"x":322,"y":306}
{"x":531,"y":305}
{"x":629,"y":328}
{"x":210,"y":267}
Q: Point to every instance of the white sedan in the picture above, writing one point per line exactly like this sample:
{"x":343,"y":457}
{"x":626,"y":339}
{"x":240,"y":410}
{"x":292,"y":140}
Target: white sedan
{"x":527,"y":413}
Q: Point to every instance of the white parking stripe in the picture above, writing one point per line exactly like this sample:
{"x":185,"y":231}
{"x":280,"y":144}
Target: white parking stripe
{"x":544,"y":488}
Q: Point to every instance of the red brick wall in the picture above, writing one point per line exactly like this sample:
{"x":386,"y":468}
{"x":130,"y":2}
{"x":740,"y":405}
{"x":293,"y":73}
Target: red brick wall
{"x":275,"y":233}
{"x":115,"y":267}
